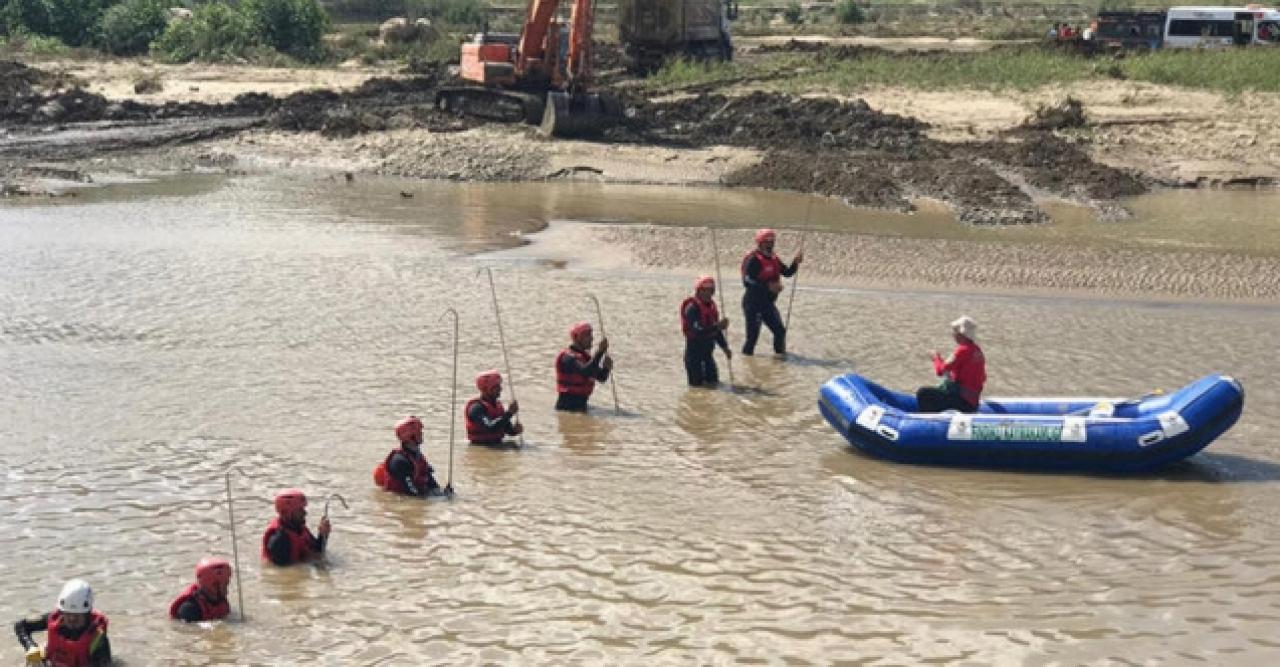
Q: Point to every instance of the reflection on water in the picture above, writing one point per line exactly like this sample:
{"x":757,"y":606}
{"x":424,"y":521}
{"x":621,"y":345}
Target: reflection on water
{"x":283,"y":325}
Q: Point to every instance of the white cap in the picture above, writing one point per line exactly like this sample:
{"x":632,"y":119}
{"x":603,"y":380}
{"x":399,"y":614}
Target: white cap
{"x":965,"y":326}
{"x":76,"y":597}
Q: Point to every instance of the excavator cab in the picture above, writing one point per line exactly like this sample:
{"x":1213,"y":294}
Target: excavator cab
{"x":538,"y":76}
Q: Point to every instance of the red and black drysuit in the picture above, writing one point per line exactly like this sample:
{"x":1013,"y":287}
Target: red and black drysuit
{"x":700,"y":322}
{"x":89,"y":647}
{"x":487,"y":421}
{"x":409,"y":473}
{"x":194,"y":605}
{"x":577,"y":373}
{"x":286,"y":544}
{"x":758,"y":271}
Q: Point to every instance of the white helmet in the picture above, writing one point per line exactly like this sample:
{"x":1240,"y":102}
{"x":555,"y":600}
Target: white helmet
{"x":76,"y":597}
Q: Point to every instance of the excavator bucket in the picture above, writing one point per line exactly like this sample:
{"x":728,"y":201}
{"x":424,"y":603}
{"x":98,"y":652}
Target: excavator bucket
{"x":579,"y":114}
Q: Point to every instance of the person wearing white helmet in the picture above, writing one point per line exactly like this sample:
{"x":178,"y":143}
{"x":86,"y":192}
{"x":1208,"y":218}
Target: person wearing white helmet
{"x":964,"y":373}
{"x":77,"y":632}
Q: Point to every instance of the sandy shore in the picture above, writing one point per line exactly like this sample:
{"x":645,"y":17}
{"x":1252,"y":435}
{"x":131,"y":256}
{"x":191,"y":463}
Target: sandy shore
{"x":879,"y":262}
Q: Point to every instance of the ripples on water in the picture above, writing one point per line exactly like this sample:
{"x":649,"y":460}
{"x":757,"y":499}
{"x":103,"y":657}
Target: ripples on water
{"x":282,"y":326}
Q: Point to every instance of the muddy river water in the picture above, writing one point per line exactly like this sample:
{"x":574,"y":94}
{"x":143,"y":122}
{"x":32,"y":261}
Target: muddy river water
{"x":153,"y":336}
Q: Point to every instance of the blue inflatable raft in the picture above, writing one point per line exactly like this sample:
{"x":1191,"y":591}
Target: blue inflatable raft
{"x":1094,"y":434}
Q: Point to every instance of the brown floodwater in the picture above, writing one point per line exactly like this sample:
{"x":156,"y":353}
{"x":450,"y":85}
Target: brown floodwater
{"x":154,"y":336}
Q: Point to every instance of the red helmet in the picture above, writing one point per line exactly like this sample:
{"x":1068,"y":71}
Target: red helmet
{"x":765,"y":235}
{"x":579,"y":329}
{"x":290,"y":501}
{"x":704,"y":281}
{"x":408,"y":427}
{"x":488,"y":380}
{"x":210,"y":571}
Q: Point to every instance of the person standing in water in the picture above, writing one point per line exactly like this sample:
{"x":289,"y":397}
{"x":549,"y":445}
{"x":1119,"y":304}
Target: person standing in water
{"x":287,"y":540}
{"x":762,"y":274}
{"x":206,"y":599}
{"x":77,"y":633}
{"x":488,"y":422}
{"x":405,"y":470}
{"x":578,"y":371}
{"x":703,"y":330}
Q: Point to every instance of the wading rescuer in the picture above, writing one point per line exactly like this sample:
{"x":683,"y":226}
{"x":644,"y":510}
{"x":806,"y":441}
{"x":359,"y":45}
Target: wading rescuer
{"x":77,"y":634}
{"x":578,"y":371}
{"x":762,"y":274}
{"x":206,"y":599}
{"x":287,"y":540}
{"x":405,"y":470}
{"x":487,"y":421}
{"x":963,"y":373}
{"x":703,"y":330}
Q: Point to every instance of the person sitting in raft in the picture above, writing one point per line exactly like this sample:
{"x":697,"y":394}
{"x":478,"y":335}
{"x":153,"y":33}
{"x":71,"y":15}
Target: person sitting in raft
{"x":206,"y":599}
{"x":703,"y":330}
{"x":287,"y":540}
{"x":77,"y":632}
{"x":964,"y":373}
{"x":577,"y":371}
{"x":405,"y":470}
{"x":487,"y":421}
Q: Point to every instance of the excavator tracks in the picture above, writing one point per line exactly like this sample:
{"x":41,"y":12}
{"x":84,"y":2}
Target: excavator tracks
{"x":505,"y":106}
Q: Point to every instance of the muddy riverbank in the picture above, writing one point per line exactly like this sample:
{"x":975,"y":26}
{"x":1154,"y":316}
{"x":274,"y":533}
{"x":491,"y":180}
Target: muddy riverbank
{"x":865,"y":157}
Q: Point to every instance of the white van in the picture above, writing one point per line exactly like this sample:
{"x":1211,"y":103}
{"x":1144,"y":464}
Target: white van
{"x":1208,"y":27}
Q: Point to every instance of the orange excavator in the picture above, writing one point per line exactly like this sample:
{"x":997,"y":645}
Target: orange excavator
{"x":538,"y":76}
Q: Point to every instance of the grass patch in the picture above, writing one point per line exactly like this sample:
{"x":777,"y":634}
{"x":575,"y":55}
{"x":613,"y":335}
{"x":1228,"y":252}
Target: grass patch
{"x":684,"y":73}
{"x":1224,"y":70}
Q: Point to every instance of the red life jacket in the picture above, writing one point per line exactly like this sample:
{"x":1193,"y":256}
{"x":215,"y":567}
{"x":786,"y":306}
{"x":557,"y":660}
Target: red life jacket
{"x":63,"y":652}
{"x":770,"y":266}
{"x":393,"y":483}
{"x":300,"y":542}
{"x":708,"y":315}
{"x":209,"y":611}
{"x":573,"y":383}
{"x":476,"y":432}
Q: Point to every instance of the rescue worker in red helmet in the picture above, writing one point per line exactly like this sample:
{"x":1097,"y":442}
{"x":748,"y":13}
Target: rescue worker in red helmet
{"x":405,"y":470}
{"x":487,"y":421}
{"x":578,"y":371}
{"x":703,"y":330}
{"x":762,"y":274}
{"x":206,"y":599}
{"x":77,"y":633}
{"x":287,"y":540}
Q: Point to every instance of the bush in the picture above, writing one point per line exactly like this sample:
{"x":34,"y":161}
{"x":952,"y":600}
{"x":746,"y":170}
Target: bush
{"x":129,"y":28}
{"x":72,"y":21}
{"x":792,"y":14}
{"x":214,"y":32}
{"x":849,"y":13}
{"x":295,"y":27}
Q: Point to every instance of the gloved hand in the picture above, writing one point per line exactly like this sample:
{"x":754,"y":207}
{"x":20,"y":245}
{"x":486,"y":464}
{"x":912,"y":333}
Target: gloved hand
{"x":35,"y":655}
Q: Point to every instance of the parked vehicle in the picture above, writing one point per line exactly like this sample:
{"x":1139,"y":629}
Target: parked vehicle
{"x":1130,"y":29}
{"x":651,"y":31}
{"x":1210,"y":27}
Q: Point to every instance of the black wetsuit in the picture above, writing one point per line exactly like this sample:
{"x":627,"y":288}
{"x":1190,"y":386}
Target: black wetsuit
{"x":401,"y":468}
{"x":101,"y":654}
{"x":758,"y":305}
{"x":700,"y":347}
{"x":571,"y":366}
{"x":278,"y":547}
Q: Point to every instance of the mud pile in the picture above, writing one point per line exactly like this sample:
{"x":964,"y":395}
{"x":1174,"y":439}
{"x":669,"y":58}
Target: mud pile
{"x":776,"y":121}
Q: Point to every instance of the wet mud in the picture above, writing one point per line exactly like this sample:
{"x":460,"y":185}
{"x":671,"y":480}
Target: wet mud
{"x":839,"y":148}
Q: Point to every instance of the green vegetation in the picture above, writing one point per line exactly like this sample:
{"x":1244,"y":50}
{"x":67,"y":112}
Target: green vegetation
{"x":294,"y":27}
{"x":129,"y":28}
{"x":215,"y":32}
{"x":1227,"y":70}
{"x":849,"y":13}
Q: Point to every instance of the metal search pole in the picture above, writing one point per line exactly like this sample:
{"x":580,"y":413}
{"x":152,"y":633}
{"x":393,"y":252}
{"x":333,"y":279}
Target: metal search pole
{"x":612,"y":385}
{"x":502,"y":339}
{"x":235,"y":549}
{"x":453,"y":398}
{"x":715,"y":248}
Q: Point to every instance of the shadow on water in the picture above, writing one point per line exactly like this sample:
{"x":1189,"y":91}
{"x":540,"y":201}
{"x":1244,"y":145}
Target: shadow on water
{"x":1206,"y":467}
{"x":1220,"y":468}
